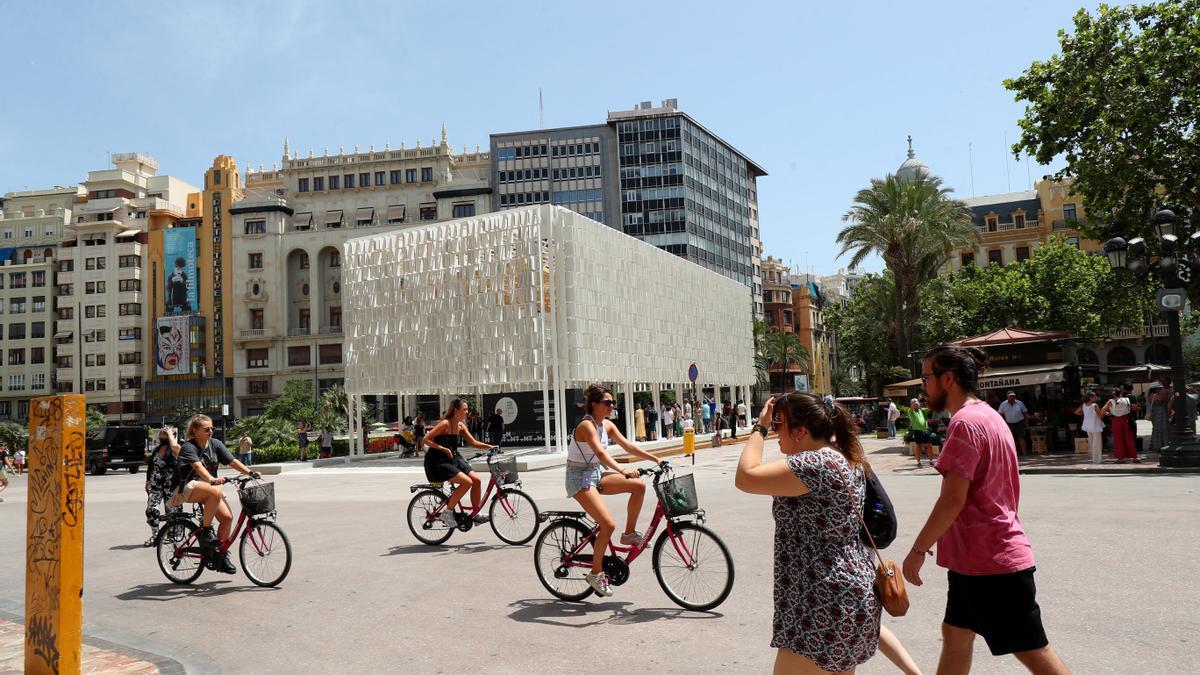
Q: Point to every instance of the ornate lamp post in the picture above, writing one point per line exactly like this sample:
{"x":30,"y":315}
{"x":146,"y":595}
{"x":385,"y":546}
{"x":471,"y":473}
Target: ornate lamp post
{"x":1175,"y":265}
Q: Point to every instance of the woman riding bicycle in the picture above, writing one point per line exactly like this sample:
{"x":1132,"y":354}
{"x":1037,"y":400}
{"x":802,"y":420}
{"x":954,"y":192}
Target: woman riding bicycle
{"x":586,"y":451}
{"x":445,"y":464}
{"x":196,"y":483}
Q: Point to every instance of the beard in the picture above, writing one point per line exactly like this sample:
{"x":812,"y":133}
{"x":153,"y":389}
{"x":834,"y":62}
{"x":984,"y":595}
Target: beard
{"x":936,"y":401}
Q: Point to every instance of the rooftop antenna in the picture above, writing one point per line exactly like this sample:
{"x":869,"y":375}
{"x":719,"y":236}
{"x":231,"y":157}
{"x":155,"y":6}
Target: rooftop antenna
{"x":1028,"y":175}
{"x":971,"y":161}
{"x":1007,"y":174}
{"x":541,"y":111}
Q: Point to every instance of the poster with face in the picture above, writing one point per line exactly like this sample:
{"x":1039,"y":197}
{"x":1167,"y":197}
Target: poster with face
{"x":179,"y":263}
{"x":172,"y":356}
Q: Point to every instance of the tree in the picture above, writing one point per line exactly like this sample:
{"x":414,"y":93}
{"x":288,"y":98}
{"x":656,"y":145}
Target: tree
{"x":914,"y":225}
{"x":762,"y":365}
{"x":1121,"y":103}
{"x":95,"y":421}
{"x":295,"y":404}
{"x":783,"y":349}
{"x":15,"y":436}
{"x":865,"y":327}
{"x":264,"y":431}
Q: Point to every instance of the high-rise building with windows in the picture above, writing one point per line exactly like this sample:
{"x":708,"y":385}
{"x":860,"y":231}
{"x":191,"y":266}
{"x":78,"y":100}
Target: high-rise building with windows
{"x":655,"y":173}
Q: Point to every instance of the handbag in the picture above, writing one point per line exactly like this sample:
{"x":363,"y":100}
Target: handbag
{"x":889,"y":583}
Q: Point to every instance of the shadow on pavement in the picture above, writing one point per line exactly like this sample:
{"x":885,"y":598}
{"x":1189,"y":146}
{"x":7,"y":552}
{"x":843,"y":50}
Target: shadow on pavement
{"x":170,"y":591}
{"x":583,"y":614}
{"x":127,"y":547}
{"x":442,"y":549}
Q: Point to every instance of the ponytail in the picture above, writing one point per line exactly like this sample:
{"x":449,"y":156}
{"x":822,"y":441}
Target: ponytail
{"x":827,"y":420}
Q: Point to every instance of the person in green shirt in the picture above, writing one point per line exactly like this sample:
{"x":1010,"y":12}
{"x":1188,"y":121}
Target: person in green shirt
{"x":920,"y":431}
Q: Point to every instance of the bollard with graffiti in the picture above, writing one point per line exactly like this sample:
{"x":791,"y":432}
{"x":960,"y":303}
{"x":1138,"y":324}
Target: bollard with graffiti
{"x":54,"y":547}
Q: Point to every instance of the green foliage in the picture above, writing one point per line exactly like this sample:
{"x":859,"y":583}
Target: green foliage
{"x":263,"y":431}
{"x":14,"y":435}
{"x":863,"y":326}
{"x":1120,"y":102}
{"x":295,"y":404}
{"x":271,"y":454}
{"x":95,"y":421}
{"x":784,"y":349}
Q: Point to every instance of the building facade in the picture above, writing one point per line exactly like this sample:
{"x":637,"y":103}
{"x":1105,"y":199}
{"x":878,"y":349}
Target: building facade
{"x":809,"y":303}
{"x":655,"y":173}
{"x":100,"y":331}
{"x":288,"y":235}
{"x":31,"y":224}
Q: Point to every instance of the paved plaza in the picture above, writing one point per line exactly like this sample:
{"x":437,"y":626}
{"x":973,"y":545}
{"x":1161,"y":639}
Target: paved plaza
{"x":1113,"y":557}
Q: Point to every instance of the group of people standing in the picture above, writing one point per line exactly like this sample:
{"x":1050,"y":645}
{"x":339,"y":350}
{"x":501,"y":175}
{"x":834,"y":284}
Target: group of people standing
{"x":707,"y":416}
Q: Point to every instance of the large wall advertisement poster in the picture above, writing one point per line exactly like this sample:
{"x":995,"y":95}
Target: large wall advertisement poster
{"x":524,"y":415}
{"x":172,"y":356}
{"x":179,"y":261}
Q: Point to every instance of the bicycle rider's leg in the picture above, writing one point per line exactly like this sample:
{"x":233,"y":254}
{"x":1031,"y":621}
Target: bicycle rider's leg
{"x":476,"y":488}
{"x":593,"y":504}
{"x":224,"y":517}
{"x":209,"y":496}
{"x":462,"y":483}
{"x":615,"y":483}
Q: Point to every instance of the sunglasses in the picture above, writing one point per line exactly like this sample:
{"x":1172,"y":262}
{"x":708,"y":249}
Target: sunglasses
{"x":608,"y":402}
{"x":208,"y":429}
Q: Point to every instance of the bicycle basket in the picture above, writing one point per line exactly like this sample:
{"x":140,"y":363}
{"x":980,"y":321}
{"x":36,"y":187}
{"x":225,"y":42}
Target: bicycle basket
{"x":504,"y":470}
{"x":678,"y":495}
{"x":258,"y":499}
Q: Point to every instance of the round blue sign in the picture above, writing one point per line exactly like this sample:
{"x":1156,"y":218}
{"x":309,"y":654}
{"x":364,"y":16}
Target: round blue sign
{"x":693,"y":372}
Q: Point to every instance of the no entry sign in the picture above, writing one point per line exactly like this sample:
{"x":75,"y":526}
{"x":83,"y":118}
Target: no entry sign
{"x":693,"y":373}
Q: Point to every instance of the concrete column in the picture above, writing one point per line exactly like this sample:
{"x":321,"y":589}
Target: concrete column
{"x":656,"y":401}
{"x":627,"y":390}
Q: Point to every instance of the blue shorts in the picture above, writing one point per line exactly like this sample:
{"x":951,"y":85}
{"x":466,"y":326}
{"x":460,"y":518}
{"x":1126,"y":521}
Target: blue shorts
{"x":580,"y":478}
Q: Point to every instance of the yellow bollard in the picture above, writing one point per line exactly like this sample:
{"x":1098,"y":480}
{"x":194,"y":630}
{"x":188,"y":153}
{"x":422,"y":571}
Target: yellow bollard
{"x":54,"y":545}
{"x":689,"y":440}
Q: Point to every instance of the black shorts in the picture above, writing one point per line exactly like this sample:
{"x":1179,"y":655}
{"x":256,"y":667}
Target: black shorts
{"x":1001,"y":607}
{"x":920,"y":437}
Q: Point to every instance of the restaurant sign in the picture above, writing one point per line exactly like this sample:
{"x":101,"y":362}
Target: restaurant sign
{"x":1020,"y":379}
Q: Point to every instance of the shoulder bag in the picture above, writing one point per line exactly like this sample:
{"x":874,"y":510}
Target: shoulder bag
{"x":889,"y":583}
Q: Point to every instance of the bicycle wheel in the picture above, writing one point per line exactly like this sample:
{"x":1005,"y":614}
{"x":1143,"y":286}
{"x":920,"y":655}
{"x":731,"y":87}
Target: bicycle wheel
{"x":426,"y":527}
{"x":178,"y":563}
{"x":696,"y":570}
{"x":265,"y":552}
{"x":559,"y":539}
{"x":514,"y":516}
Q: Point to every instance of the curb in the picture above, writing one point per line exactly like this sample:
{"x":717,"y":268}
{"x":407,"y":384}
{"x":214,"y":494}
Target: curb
{"x":1072,"y":470}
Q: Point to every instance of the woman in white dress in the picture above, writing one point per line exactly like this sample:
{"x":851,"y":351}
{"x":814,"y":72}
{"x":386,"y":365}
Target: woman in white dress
{"x":1093,"y":425}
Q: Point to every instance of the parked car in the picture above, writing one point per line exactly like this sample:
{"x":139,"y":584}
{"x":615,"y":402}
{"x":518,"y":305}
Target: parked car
{"x":116,"y":448}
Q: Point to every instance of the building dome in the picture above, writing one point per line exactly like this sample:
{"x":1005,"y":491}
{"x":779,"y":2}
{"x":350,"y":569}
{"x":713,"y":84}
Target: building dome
{"x":912,"y":167}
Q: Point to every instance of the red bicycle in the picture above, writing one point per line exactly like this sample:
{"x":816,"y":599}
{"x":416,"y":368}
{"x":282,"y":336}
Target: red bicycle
{"x":264,"y":551}
{"x":513,"y":513}
{"x":692,"y":564}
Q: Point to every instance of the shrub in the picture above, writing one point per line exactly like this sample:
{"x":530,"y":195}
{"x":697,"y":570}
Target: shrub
{"x":272,"y":454}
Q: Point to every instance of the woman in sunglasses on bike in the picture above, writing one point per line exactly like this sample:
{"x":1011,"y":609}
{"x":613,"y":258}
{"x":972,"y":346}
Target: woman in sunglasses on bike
{"x":197,"y":483}
{"x":445,"y":464}
{"x":586,"y":481}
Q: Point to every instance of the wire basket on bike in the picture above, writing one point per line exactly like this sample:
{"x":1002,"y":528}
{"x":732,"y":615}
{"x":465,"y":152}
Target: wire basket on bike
{"x":258,"y":499}
{"x":504,"y":471}
{"x":678,"y":495}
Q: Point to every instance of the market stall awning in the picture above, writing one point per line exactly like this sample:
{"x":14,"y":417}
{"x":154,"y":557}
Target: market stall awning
{"x":1009,"y":336}
{"x":900,"y":388}
{"x":1021,"y":376}
{"x":1144,"y":368}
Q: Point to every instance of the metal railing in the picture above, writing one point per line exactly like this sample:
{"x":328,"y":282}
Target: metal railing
{"x":1068,"y":224}
{"x":252,"y":332}
{"x":330,"y":330}
{"x":303,"y":330}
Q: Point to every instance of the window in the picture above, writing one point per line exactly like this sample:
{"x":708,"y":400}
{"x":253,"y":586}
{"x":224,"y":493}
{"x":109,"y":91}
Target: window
{"x":37,"y":329}
{"x":129,"y":334}
{"x":16,"y":382}
{"x":65,"y":387}
{"x":335,"y":259}
{"x":304,"y":319}
{"x":94,"y":311}
{"x":93,"y":287}
{"x":65,"y":361}
{"x":410,"y":176}
{"x":257,"y":358}
{"x":379,"y":176}
{"x":66,"y":313}
{"x":348,"y":180}
{"x":395,"y":176}
{"x":93,"y":385}
{"x":1022,"y":253}
{"x":429,"y":212}
{"x":335,"y":316}
{"x":426,"y":174}
{"x":303,"y":260}
{"x":364,"y":180}
{"x":131,"y":309}
{"x":1069,"y":214}
{"x":967,"y":259}
{"x":302,"y":185}
{"x":37,"y":355}
{"x":101,"y":263}
{"x":16,"y":306}
{"x":995,"y":257}
{"x":16,"y":280}
{"x":16,"y":357}
{"x":130,"y":284}
{"x":256,"y":261}
{"x":129,"y":358}
{"x":66,"y":265}
{"x":95,"y":336}
{"x":259,"y":386}
{"x":131,"y":260}
{"x":39,"y":303}
{"x":318,"y":184}
{"x":464,"y":210}
{"x":299,"y":356}
{"x":1019,"y":220}
{"x":93,"y":359}
{"x":256,"y":319}
{"x":256,"y":227}
{"x":333,"y":182}
{"x":39,"y":279}
{"x":992,"y":223}
{"x":329,"y":354}
{"x":1074,"y":241}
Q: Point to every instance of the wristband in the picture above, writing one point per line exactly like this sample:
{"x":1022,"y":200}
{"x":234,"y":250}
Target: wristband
{"x":760,"y":429}
{"x":922,"y":553}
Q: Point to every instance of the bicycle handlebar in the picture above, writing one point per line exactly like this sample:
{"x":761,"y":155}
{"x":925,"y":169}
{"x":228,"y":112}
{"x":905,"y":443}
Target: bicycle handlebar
{"x":657,"y":472}
{"x":489,"y":454}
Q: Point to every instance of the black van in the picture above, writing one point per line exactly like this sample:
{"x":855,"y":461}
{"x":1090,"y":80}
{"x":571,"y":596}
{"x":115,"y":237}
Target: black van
{"x":116,"y":448}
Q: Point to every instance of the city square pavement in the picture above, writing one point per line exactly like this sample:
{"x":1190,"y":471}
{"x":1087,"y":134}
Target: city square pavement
{"x":1114,"y":556}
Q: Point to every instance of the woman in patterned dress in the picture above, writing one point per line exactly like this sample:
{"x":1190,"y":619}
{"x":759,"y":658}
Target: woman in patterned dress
{"x":160,"y":468}
{"x":826,"y":611}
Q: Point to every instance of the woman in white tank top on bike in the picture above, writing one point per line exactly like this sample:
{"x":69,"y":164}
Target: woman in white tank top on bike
{"x":587,"y":451}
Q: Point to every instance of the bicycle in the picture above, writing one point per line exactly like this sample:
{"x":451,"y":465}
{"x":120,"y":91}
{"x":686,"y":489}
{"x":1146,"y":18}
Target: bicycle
{"x":563,"y":553}
{"x":513,"y":513}
{"x":264,"y":551}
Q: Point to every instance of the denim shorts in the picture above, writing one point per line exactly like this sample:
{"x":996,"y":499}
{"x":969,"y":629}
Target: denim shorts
{"x":581,"y":477}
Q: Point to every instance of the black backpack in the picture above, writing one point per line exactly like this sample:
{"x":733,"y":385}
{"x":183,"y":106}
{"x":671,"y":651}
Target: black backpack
{"x":879,"y":516}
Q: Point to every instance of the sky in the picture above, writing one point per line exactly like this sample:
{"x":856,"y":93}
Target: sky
{"x":823,"y":96}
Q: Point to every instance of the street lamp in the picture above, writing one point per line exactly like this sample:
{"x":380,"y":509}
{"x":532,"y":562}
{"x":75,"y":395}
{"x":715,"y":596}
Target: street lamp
{"x":1175,"y":265}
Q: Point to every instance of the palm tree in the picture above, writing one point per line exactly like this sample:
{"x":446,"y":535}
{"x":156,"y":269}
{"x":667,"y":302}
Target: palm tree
{"x":762,"y":364}
{"x":914,"y":225}
{"x":784,"y":349}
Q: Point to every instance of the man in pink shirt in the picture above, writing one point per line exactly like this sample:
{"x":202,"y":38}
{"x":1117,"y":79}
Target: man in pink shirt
{"x":975,"y":526}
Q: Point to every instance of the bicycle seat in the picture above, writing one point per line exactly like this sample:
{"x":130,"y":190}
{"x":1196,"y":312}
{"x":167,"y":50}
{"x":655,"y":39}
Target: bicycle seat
{"x":437,"y":485}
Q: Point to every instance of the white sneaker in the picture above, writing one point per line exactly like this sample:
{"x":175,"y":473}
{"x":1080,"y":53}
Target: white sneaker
{"x":447,"y":517}
{"x":599,"y":583}
{"x":634,"y":538}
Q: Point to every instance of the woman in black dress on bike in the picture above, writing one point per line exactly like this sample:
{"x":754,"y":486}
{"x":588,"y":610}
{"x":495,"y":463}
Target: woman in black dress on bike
{"x":444,"y":463}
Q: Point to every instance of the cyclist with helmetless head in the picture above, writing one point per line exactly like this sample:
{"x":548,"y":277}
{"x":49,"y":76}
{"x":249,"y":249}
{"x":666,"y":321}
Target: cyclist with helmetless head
{"x":196,"y":482}
{"x":444,"y":463}
{"x":586,"y":452}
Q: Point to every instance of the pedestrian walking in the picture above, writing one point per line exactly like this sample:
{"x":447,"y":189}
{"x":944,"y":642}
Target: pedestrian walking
{"x":1122,"y":411}
{"x":728,"y":418}
{"x":893,"y":414}
{"x":920,"y":431}
{"x":19,"y":461}
{"x":651,"y":422}
{"x":160,"y":473}
{"x":1015,"y":414}
{"x":668,"y":418}
{"x":826,"y":609}
{"x":246,"y":450}
{"x":1093,"y":425}
{"x":326,"y":443}
{"x":3,"y":469}
{"x":975,"y":526}
{"x":495,"y":430}
{"x":706,"y":416}
{"x":302,"y":437}
{"x":1159,"y":404}
{"x":679,"y":417}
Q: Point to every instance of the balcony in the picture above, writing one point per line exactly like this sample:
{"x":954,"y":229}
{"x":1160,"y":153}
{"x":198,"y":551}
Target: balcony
{"x":1069,"y":224}
{"x":331,"y":330}
{"x":252,"y":333}
{"x":1008,"y":227}
{"x":1151,"y":330}
{"x":302,"y":330}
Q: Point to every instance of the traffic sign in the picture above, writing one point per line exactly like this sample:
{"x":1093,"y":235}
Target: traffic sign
{"x":693,"y":373}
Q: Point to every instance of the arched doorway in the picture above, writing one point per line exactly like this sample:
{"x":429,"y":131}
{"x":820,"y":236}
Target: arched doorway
{"x":1160,"y":354}
{"x":1121,"y":356}
{"x":1087,"y":357}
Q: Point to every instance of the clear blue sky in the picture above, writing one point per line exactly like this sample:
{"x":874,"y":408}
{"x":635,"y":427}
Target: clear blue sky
{"x":822,"y":96}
